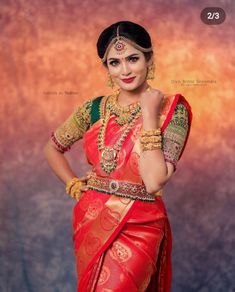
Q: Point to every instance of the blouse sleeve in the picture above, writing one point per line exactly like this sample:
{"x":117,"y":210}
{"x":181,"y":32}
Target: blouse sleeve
{"x":73,"y":128}
{"x":175,"y":134}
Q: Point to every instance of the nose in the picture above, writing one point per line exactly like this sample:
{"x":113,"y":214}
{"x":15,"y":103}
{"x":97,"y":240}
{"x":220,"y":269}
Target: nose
{"x":125,"y":69}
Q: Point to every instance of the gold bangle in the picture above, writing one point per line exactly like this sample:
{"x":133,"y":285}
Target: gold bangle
{"x":150,"y":132}
{"x":150,"y":139}
{"x":75,"y":190}
{"x":70,"y":183}
{"x":151,"y":146}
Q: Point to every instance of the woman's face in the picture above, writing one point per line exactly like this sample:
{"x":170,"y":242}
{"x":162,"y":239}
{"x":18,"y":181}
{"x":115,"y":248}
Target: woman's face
{"x":130,"y":63}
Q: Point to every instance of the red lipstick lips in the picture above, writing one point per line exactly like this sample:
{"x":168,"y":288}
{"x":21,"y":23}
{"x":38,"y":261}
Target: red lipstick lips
{"x":128,"y":80}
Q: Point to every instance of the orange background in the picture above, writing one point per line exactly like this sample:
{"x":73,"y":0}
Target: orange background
{"x":49,"y":65}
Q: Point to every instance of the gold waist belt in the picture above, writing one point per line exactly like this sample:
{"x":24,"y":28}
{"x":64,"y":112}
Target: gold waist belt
{"x":120,"y":188}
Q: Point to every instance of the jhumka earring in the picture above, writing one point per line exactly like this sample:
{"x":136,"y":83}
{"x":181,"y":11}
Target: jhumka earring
{"x":150,"y":72}
{"x":110,"y":82}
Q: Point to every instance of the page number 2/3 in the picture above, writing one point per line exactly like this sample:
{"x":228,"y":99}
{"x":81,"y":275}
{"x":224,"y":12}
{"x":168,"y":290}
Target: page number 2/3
{"x":213,"y":15}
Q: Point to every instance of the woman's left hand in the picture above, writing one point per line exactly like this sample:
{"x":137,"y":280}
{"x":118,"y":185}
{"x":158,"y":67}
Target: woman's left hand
{"x":151,"y":101}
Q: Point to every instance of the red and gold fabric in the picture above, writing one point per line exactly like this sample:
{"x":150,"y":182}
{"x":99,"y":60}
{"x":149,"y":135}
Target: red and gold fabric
{"x":120,"y":243}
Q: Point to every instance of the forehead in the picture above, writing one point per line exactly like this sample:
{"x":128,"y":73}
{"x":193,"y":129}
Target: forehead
{"x":128,"y":50}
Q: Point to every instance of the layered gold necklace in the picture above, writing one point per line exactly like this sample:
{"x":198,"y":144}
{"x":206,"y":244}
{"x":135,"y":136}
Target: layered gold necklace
{"x":125,"y":115}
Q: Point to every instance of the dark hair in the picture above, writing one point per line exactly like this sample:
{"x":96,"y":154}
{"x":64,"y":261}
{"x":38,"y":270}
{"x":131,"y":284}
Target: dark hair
{"x":128,"y":29}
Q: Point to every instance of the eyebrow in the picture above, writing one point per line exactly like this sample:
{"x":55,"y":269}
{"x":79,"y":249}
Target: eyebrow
{"x":135,"y":54}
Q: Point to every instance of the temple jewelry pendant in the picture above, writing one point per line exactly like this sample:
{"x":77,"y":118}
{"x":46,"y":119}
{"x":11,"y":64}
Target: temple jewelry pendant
{"x":108,"y":159}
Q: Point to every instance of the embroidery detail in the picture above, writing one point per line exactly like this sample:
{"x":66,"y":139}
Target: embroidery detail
{"x":109,"y":219}
{"x":73,"y":128}
{"x":104,"y":275}
{"x":120,"y":252}
{"x":175,"y":134}
{"x":92,"y":244}
{"x":94,"y":209}
{"x":123,"y":189}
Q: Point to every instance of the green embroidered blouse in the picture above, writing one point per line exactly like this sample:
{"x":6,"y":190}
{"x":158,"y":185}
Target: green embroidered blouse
{"x":74,"y":127}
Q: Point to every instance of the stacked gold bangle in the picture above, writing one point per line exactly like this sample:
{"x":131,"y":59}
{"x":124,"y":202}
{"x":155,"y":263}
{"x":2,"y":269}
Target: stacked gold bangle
{"x":73,"y":188}
{"x":150,"y":139}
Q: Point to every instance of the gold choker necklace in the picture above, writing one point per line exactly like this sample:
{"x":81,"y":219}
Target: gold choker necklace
{"x":124,"y":114}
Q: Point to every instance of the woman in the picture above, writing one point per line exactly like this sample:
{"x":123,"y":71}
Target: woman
{"x":133,"y":140}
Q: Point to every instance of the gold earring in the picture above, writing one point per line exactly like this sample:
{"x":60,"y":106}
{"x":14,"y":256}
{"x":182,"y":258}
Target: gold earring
{"x":150,"y":72}
{"x":110,"y":81}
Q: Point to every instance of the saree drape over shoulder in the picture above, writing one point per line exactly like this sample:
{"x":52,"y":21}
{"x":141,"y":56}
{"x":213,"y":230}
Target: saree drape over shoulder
{"x":123,"y":243}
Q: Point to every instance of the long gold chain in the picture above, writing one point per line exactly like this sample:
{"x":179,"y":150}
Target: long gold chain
{"x":125,"y":115}
{"x":109,"y":154}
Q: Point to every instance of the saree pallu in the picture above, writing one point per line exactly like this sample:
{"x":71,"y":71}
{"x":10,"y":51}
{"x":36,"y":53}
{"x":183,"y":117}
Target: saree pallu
{"x":121,"y":244}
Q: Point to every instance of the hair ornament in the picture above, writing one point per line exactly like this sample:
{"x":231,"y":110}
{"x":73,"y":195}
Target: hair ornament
{"x":120,"y":45}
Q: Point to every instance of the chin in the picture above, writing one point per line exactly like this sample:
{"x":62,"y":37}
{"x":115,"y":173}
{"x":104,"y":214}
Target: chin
{"x":129,"y":88}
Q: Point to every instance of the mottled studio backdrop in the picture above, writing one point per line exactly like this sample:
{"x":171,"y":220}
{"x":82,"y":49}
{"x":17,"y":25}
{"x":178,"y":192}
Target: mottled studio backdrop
{"x":49,"y":66}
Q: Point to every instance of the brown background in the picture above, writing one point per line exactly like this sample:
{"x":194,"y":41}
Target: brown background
{"x":49,"y":65}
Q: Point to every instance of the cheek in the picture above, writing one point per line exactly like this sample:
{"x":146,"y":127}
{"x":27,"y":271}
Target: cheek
{"x":114,"y":72}
{"x":140,"y":68}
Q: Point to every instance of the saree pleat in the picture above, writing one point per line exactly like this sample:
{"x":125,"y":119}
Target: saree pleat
{"x":131,"y":258}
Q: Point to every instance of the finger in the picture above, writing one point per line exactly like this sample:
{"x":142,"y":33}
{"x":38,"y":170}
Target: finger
{"x":83,"y":188}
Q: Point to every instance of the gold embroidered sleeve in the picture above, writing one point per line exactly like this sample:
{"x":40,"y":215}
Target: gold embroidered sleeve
{"x":73,"y":127}
{"x":175,"y":134}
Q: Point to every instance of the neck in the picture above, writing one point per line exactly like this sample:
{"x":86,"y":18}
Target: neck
{"x":126,"y":96}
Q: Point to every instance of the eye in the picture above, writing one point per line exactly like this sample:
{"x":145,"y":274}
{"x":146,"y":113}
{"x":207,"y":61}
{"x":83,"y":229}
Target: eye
{"x":134,"y":59}
{"x":113,"y":63}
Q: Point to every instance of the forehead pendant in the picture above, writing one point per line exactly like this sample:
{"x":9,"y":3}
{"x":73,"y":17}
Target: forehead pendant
{"x":120,"y":46}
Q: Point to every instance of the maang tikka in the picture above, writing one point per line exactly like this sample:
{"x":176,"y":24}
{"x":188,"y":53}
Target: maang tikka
{"x":120,"y":45}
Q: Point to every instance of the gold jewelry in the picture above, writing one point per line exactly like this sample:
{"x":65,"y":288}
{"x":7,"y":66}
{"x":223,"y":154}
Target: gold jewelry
{"x":150,"y":132}
{"x":120,"y":188}
{"x":73,"y":187}
{"x":150,"y":139}
{"x":120,"y":46}
{"x":76,"y":191}
{"x":110,"y":82}
{"x":70,"y":183}
{"x":124,"y":114}
{"x":150,"y":72}
{"x":151,"y":146}
{"x":109,"y":154}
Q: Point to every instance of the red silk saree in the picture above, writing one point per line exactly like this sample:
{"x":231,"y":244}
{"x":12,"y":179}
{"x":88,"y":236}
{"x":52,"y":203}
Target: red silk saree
{"x":121,"y":244}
